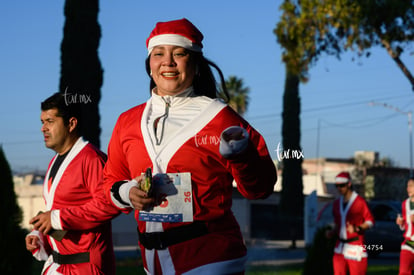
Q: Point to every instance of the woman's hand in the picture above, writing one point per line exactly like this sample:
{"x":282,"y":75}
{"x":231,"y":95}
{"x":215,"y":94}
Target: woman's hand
{"x":139,"y":199}
{"x":233,"y":133}
{"x":234,"y":141}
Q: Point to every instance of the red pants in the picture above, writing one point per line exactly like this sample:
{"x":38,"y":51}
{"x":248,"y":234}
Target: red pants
{"x":406,"y":262}
{"x":341,"y":265}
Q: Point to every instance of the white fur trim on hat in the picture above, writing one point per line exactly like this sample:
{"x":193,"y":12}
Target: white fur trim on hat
{"x":341,"y":180}
{"x":172,"y":39}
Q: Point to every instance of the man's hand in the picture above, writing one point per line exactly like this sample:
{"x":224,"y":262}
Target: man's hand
{"x":350,"y":227}
{"x":399,"y":220}
{"x":32,"y":242}
{"x":42,"y":222}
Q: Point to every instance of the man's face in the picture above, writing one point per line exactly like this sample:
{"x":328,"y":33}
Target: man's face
{"x":410,"y":188}
{"x":55,"y":133}
{"x":343,"y":188}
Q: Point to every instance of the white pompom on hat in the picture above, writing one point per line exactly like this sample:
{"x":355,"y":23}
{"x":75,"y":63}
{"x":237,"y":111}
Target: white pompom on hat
{"x":177,"y":32}
{"x":342,"y":177}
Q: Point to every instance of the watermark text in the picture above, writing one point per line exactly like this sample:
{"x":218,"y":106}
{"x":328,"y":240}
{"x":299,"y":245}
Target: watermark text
{"x":74,"y":98}
{"x":288,"y":154}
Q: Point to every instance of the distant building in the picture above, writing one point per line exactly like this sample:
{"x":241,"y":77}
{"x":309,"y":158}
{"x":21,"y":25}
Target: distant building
{"x":367,"y":158}
{"x":29,"y":189}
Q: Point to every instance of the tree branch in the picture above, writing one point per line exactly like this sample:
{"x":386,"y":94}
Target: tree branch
{"x":396,"y":57}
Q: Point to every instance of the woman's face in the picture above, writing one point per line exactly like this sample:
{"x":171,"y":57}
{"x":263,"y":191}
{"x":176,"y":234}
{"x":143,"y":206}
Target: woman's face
{"x":172,"y":69}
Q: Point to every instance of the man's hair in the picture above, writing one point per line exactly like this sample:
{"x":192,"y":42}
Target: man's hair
{"x":64,"y":109}
{"x":204,"y":82}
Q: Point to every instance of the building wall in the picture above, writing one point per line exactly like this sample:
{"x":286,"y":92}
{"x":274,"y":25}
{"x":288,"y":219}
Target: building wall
{"x":30,"y":200}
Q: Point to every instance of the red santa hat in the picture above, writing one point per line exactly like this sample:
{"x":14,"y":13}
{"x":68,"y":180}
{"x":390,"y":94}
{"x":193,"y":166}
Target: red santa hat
{"x":342,"y":177}
{"x":177,"y":32}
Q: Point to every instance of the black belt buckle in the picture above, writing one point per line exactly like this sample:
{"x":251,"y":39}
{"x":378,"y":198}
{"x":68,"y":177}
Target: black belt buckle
{"x":161,"y":240}
{"x":349,"y":240}
{"x":152,"y":240}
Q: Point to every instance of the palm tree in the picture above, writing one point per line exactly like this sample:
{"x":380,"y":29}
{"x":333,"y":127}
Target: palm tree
{"x":81,"y":71}
{"x":239,"y":95}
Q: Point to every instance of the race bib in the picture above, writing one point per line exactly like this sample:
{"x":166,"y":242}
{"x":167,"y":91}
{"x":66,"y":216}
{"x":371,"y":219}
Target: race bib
{"x":352,"y":252}
{"x":174,"y":200}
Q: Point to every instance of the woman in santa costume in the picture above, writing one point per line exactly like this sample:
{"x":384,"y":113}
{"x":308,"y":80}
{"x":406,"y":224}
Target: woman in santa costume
{"x":406,"y":223}
{"x":195,"y":146}
{"x":352,"y":218}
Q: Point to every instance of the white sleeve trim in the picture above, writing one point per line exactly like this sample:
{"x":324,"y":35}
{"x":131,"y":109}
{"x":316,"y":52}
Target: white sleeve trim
{"x":55,"y":219}
{"x":124,"y":194}
{"x":39,"y":254}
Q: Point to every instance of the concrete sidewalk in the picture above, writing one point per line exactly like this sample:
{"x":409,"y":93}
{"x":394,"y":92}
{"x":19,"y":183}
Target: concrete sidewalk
{"x":275,"y":253}
{"x":259,"y":252}
{"x":271,"y":253}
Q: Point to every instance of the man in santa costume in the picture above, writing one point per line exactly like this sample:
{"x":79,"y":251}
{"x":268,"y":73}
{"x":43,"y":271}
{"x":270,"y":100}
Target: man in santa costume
{"x":352,"y":218}
{"x":195,"y":146}
{"x":68,"y":238}
{"x":406,"y":223}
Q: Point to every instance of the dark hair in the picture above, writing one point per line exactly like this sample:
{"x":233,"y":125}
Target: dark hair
{"x":204,"y":82}
{"x":64,"y":109}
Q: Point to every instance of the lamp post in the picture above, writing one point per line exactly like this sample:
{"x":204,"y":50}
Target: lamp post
{"x":410,"y":128}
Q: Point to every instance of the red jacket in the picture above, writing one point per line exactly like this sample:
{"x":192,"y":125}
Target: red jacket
{"x":76,"y":186}
{"x":408,"y":226}
{"x":195,"y":150}
{"x":355,"y":213}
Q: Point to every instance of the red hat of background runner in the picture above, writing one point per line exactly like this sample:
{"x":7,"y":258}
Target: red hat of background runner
{"x":342,"y":177}
{"x":177,"y":32}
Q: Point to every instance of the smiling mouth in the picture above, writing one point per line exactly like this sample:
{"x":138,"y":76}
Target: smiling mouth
{"x":169,"y":74}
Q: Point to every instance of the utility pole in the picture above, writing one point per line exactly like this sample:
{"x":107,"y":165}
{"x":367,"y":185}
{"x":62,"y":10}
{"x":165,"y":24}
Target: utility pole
{"x":410,"y":128}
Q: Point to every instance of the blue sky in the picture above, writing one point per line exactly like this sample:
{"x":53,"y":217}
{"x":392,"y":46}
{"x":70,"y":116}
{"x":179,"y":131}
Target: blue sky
{"x":239,"y":38}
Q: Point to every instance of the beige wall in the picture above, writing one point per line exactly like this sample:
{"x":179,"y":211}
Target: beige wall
{"x":30,"y":200}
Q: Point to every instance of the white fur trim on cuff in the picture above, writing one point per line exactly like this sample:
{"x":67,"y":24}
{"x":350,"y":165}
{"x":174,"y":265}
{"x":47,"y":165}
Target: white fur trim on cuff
{"x":124,"y":194}
{"x":55,"y":219}
{"x":124,"y":191}
{"x":39,"y":254}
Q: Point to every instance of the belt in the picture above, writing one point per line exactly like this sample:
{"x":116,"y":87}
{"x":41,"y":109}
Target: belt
{"x":70,"y":258}
{"x":349,"y":240}
{"x":161,"y":240}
